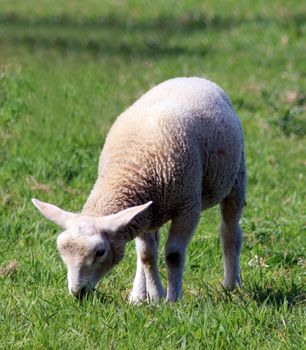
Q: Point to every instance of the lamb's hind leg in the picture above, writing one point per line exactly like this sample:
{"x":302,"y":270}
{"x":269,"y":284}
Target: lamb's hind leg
{"x":231,"y":233}
{"x":180,"y":233}
{"x":147,"y":281}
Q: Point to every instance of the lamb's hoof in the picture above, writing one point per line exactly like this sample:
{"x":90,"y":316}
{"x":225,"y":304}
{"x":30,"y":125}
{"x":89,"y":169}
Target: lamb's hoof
{"x":171,"y":300}
{"x":231,"y":285}
{"x":140,"y":298}
{"x":136,"y":299}
{"x":155,"y":299}
{"x":174,"y":298}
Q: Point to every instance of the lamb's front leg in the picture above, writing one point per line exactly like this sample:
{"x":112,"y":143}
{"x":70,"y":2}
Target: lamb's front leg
{"x":139,"y":291}
{"x":147,"y":281}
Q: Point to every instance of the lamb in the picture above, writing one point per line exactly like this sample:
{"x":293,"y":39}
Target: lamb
{"x":176,"y":151}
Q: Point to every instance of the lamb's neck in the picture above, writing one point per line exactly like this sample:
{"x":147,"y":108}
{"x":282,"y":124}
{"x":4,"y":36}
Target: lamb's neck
{"x":106,"y":199}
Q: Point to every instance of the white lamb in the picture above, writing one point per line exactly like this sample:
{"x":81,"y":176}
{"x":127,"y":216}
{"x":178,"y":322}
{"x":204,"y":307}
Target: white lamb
{"x":175,"y":152}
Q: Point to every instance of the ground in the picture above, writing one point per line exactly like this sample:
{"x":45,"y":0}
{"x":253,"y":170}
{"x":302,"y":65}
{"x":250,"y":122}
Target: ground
{"x":67,"y":69}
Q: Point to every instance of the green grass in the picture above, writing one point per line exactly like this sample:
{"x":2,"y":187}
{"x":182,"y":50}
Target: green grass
{"x":67,"y":69}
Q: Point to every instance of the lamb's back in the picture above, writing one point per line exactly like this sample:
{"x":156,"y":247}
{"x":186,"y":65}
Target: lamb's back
{"x":179,"y":138}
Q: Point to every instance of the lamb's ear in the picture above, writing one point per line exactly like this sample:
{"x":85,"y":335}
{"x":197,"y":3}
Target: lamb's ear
{"x":115,"y":222}
{"x":57,"y":215}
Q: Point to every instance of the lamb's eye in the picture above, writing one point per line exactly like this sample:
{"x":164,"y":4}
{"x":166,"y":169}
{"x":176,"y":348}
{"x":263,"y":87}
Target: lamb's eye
{"x":100,"y":252}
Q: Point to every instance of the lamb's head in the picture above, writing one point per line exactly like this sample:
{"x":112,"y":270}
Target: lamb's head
{"x":90,"y":246}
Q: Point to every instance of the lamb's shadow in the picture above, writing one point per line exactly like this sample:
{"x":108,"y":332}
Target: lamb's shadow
{"x":101,"y":297}
{"x":272,"y":293}
{"x":291,"y":294}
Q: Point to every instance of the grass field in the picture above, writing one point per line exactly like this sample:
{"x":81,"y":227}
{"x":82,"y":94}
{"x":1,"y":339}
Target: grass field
{"x":67,"y":69}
